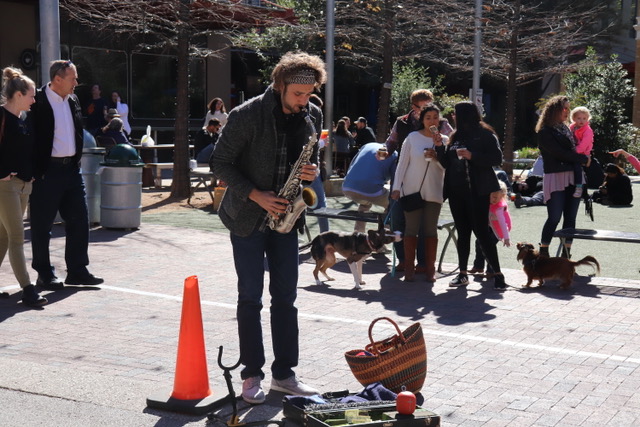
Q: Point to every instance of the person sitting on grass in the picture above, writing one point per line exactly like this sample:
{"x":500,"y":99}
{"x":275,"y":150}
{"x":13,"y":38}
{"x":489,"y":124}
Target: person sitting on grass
{"x":616,"y":190}
{"x":630,"y":158}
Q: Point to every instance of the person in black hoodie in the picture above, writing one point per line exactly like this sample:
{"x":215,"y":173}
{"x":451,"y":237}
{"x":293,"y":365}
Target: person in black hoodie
{"x":616,"y":190}
{"x":558,"y":150}
{"x":469,"y":180}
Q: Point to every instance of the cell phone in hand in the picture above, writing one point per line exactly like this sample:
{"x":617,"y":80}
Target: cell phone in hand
{"x":433,"y":129}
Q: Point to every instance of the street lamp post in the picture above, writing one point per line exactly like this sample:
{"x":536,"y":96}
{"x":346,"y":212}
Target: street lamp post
{"x":328,"y":88}
{"x":476,"y":94}
{"x":49,"y":36}
{"x":636,"y":98}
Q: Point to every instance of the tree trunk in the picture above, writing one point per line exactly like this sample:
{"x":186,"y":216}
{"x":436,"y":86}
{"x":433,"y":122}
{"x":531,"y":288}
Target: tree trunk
{"x":180,"y":186}
{"x":382,"y":129}
{"x":512,"y":89}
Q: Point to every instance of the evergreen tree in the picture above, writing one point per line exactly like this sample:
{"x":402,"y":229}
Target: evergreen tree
{"x":605,"y":89}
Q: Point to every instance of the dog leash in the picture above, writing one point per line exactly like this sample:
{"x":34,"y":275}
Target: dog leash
{"x":393,"y":251}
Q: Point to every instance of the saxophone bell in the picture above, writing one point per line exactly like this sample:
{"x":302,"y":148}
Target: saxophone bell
{"x":307,"y":198}
{"x":310,"y":197}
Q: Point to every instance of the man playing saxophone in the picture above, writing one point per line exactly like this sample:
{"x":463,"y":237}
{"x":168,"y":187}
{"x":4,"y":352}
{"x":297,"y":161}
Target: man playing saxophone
{"x":260,"y":145}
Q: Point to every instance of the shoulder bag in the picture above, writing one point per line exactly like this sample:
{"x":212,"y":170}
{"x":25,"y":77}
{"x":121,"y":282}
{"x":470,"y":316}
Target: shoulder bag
{"x":414,"y":201}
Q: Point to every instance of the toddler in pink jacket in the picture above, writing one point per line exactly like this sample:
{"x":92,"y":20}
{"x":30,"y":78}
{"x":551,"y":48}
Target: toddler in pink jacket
{"x":583,"y":134}
{"x":500,"y":224}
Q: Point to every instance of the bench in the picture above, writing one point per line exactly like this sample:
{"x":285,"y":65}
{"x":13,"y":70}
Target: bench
{"x":201,"y":176}
{"x":157,"y":169}
{"x":602,"y":235}
{"x":377,"y":217}
{"x":347,"y":214}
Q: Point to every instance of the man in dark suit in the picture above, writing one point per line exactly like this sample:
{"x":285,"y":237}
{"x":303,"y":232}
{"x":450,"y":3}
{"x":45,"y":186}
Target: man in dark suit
{"x":58,"y":184}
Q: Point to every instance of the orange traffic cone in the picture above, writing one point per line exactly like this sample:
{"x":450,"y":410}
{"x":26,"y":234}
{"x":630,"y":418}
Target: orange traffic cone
{"x":191,"y":392}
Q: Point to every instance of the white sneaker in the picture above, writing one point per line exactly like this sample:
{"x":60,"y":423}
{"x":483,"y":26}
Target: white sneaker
{"x":294,"y":386}
{"x":252,"y":391}
{"x":578,"y":193}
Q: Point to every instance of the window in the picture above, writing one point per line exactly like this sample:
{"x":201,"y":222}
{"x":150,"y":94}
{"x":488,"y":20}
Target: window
{"x":153,"y":86}
{"x":106,"y":67}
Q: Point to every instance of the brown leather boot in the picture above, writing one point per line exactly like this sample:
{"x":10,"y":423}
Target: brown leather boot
{"x":410,"y":243}
{"x":431,"y":252}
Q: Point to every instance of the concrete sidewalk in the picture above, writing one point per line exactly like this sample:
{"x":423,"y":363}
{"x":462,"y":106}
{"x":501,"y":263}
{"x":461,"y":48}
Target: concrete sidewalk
{"x":539,"y":357}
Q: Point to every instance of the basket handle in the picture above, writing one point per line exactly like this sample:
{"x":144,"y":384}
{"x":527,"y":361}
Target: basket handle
{"x":400,"y":335}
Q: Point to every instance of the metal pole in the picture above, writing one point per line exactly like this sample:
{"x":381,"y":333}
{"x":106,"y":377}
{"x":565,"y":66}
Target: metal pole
{"x":476,"y":54}
{"x":636,"y":97}
{"x":328,"y":91}
{"x":49,"y":36}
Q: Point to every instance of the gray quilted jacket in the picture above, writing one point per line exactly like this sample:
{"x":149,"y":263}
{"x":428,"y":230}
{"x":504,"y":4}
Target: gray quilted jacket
{"x":245,"y":158}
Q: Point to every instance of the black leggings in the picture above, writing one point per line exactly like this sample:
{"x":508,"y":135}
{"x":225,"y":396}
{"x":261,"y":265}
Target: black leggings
{"x":471,"y":214}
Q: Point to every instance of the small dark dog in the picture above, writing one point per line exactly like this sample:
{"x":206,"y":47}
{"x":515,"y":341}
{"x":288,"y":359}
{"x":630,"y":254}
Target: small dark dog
{"x":354,"y":247}
{"x":540,"y":268}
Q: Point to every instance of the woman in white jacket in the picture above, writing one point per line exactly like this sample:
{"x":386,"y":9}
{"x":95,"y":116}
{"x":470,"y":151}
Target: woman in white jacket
{"x":419,"y":171}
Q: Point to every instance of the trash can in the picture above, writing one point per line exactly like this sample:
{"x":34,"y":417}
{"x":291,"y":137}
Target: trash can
{"x":121,"y":188}
{"x":89,"y":166}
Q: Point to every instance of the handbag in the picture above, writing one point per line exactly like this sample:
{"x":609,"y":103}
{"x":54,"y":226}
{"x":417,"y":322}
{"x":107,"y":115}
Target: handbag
{"x":398,"y":362}
{"x":412,"y":202}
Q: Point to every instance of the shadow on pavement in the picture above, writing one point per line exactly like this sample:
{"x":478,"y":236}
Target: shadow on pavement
{"x":12,"y":306}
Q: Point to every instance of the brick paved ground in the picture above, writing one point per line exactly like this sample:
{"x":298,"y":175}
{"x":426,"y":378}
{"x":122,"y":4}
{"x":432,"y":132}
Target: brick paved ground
{"x":519,"y":358}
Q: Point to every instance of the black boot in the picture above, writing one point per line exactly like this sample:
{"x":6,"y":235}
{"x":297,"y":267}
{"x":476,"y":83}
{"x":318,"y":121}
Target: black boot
{"x":499,"y":284}
{"x":31,"y":297}
{"x":544,"y":251}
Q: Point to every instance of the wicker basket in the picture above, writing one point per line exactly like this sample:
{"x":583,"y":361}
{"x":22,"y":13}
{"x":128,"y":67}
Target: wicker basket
{"x":397,"y":362}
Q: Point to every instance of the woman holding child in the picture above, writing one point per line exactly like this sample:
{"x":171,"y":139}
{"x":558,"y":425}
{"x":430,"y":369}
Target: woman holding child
{"x":558,"y":149}
{"x":419,"y":171}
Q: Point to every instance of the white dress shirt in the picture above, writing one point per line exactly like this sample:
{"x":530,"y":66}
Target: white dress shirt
{"x":64,"y":139}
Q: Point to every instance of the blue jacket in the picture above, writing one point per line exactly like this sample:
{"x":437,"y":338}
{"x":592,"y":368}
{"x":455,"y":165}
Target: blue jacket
{"x":368,"y":175}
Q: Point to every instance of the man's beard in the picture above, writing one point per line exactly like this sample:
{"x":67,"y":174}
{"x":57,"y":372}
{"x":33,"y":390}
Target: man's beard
{"x":291,"y":109}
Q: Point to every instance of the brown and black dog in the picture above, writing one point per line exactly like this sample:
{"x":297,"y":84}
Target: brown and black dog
{"x":355,"y":247}
{"x":540,"y":268}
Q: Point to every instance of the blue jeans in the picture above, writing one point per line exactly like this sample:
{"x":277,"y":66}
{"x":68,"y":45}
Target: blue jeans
{"x":563,"y":205}
{"x":318,"y":187}
{"x":62,"y":189}
{"x":281,"y":251}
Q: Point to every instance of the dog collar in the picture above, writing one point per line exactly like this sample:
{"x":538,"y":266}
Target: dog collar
{"x":370,"y":245}
{"x":532,"y":263}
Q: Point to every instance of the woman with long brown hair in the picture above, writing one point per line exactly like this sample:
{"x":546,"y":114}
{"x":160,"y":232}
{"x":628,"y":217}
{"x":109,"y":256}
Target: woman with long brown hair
{"x":469,"y":157}
{"x":558,"y":150}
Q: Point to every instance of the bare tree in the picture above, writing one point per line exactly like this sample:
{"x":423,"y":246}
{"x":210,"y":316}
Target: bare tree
{"x":522,"y":40}
{"x":176,"y":27}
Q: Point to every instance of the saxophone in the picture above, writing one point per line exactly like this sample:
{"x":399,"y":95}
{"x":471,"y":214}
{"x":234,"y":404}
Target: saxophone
{"x":299,"y":197}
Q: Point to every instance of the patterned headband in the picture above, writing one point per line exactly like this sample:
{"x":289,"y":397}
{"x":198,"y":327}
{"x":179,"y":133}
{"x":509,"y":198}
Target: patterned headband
{"x":305,"y":76}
